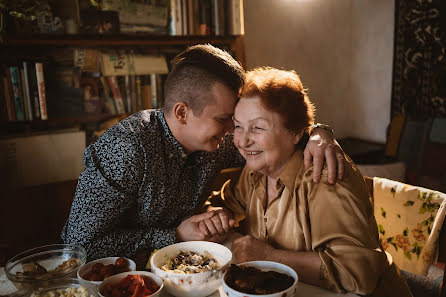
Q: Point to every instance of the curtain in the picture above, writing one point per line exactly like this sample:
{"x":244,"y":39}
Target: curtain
{"x":419,"y":69}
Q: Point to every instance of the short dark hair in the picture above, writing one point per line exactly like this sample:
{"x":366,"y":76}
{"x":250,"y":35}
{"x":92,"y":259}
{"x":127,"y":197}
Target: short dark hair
{"x":193,"y":73}
{"x":281,"y":91}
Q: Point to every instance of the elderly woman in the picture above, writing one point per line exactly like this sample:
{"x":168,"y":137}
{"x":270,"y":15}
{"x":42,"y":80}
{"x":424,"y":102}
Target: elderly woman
{"x":327,"y":233}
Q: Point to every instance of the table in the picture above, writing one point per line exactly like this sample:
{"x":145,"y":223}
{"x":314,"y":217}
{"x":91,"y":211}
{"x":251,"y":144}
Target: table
{"x":304,"y":290}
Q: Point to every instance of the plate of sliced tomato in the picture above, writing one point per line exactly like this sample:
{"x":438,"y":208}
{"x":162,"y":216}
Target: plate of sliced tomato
{"x":131,"y":284}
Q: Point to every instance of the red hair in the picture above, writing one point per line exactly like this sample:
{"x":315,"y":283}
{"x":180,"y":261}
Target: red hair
{"x":282,"y":92}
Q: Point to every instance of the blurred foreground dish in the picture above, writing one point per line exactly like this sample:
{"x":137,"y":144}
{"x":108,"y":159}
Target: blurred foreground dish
{"x":255,"y":281}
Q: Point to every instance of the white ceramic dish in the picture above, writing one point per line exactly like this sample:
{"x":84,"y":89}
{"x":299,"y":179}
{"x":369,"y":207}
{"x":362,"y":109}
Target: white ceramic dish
{"x":106,"y":261}
{"x":265,"y":266}
{"x":197,"y":284}
{"x":115,"y":279}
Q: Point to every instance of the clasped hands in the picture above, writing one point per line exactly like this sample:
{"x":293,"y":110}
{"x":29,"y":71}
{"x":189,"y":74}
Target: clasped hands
{"x":216,"y":225}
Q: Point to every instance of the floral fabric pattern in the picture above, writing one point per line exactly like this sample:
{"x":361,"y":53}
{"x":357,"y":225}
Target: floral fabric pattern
{"x":409,"y":222}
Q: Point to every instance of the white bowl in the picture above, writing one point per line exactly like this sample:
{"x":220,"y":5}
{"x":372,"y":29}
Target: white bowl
{"x":106,"y":261}
{"x":197,"y":284}
{"x":115,"y":279}
{"x":265,"y":266}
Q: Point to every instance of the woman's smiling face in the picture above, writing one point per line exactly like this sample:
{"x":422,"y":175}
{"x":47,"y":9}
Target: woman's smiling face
{"x":261,"y":138}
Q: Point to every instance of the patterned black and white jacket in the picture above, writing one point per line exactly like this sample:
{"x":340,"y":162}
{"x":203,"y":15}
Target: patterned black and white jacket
{"x":138,"y":186}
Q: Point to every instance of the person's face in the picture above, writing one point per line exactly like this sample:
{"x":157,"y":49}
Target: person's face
{"x":206,"y":132}
{"x":261,"y":138}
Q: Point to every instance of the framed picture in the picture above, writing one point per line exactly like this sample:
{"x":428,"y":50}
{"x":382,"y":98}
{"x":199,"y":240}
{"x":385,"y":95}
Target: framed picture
{"x":102,"y":22}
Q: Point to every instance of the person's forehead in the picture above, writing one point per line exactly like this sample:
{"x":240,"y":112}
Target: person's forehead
{"x":222,"y":101}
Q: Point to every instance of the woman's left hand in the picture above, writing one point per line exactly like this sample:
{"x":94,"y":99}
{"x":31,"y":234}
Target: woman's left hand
{"x":248,"y":248}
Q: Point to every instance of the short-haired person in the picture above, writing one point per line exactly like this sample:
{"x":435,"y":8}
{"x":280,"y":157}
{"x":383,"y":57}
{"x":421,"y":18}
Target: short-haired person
{"x":146,"y":177}
{"x":326,"y":232}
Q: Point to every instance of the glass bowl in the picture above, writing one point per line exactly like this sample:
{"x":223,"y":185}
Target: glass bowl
{"x":45,"y":263}
{"x":57,"y":287}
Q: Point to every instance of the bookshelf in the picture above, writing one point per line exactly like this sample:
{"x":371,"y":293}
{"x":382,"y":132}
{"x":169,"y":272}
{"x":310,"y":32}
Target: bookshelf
{"x":25,"y":45}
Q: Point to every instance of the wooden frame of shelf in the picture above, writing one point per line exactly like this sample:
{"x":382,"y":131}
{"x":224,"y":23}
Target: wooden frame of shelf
{"x":124,"y":40}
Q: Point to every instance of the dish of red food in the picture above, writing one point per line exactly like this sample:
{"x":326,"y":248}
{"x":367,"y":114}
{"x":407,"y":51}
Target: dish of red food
{"x":132,"y":286}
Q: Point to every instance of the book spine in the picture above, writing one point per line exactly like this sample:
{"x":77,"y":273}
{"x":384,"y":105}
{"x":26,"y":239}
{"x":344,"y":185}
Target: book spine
{"x":3,"y":102}
{"x":22,"y":85}
{"x":145,"y":89}
{"x":184,"y":12}
{"x":128,"y":95}
{"x":17,"y":93}
{"x":222,"y":16}
{"x":109,"y":102}
{"x":9,"y":94}
{"x":34,"y":90}
{"x":133,"y":93}
{"x":138,"y":93}
{"x":205,"y":17}
{"x":215,"y":8}
{"x":27,"y":91}
{"x":190,"y":17}
{"x":154,"y":90}
{"x":236,"y":19}
{"x":176,"y":22}
{"x":42,"y":91}
{"x":119,"y":103}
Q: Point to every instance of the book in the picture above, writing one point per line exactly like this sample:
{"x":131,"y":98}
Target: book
{"x":135,"y":13}
{"x":128,"y":95}
{"x":90,"y":95}
{"x":22,"y":85}
{"x":193,"y":17}
{"x":17,"y":93}
{"x":154,"y":90}
{"x":138,"y":93}
{"x":108,"y":101}
{"x":218,"y":17}
{"x":184,"y":12}
{"x":235,"y":17}
{"x":9,"y":95}
{"x":42,"y":91}
{"x":133,"y":92}
{"x":113,"y":63}
{"x":176,"y":22}
{"x":34,"y":90}
{"x":116,"y":93}
{"x":146,"y":93}
{"x":29,"y":99}
{"x":3,"y":103}
{"x":205,"y":17}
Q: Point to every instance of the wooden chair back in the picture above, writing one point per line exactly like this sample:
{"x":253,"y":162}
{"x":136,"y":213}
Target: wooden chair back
{"x":441,"y":239}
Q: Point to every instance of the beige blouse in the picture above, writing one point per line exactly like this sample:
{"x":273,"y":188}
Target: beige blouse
{"x":335,"y":221}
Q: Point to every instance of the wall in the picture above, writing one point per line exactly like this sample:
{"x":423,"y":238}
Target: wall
{"x":342,"y":49}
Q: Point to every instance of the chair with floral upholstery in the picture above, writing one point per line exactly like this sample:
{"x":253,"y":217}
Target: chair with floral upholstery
{"x":412,"y":228}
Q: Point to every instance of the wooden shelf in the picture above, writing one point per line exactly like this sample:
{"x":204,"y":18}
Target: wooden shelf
{"x":55,"y":123}
{"x":42,"y":41}
{"x":113,"y":40}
